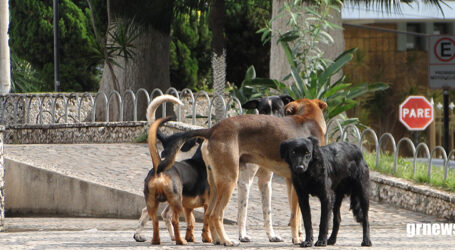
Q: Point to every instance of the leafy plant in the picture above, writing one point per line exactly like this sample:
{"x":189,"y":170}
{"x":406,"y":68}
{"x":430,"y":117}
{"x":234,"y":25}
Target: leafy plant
{"x":311,"y":74}
{"x":24,"y":78}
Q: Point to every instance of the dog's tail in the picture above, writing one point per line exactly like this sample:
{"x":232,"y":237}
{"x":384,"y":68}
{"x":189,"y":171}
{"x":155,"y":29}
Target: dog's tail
{"x":175,"y":142}
{"x":151,"y":138}
{"x":156,"y":102}
{"x":356,"y":209}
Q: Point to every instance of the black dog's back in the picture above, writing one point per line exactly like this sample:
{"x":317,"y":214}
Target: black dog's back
{"x":192,"y":173}
{"x":346,"y":162}
{"x":348,"y":172}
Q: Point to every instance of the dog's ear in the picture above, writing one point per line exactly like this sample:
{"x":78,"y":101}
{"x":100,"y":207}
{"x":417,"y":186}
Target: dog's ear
{"x":286,"y":99}
{"x":290,"y":109}
{"x":316,"y":151}
{"x":283,"y":149}
{"x":322,"y":105}
{"x":252,"y":104}
{"x":314,"y":140}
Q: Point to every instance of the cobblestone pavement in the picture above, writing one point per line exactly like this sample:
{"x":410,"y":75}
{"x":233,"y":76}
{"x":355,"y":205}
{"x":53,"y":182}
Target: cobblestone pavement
{"x":124,"y":166}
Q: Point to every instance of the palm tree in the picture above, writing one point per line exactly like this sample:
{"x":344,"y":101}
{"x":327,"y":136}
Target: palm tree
{"x":5,"y":73}
{"x":217,"y":20}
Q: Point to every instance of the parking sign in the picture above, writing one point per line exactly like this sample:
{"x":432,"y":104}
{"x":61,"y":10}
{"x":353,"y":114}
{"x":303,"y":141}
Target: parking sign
{"x":441,"y":58}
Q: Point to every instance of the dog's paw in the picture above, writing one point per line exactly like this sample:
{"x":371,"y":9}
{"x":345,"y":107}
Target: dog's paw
{"x":306,"y":243}
{"x":138,"y":237}
{"x":232,"y":243}
{"x":275,"y":238}
{"x":181,"y":242}
{"x":331,"y":241}
{"x":189,"y":238}
{"x":320,"y":243}
{"x":216,"y":242}
{"x":156,"y":242}
{"x":245,"y":238}
{"x":296,"y":241}
{"x":366,"y":243}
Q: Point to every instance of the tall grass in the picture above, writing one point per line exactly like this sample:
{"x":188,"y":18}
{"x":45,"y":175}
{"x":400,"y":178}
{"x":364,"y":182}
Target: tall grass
{"x":404,"y":170}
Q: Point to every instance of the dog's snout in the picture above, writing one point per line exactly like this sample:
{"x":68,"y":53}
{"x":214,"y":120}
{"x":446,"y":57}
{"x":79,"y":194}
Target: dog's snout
{"x":300,"y":168}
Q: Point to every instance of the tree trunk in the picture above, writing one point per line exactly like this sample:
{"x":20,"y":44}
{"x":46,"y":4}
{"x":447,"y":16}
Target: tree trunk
{"x":217,"y":19}
{"x":5,"y":71}
{"x":279,"y":66}
{"x":148,"y":69}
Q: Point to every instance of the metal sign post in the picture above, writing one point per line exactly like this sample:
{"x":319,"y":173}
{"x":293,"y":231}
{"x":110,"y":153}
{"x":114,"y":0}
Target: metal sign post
{"x":56,"y":76}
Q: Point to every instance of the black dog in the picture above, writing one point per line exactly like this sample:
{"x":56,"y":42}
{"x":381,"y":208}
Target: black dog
{"x":329,"y":172}
{"x":182,"y":184}
{"x":271,"y":105}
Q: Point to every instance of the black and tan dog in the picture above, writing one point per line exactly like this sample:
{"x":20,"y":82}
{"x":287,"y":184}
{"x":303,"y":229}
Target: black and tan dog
{"x":330,"y":173}
{"x":182,"y":184}
{"x":236,"y":141}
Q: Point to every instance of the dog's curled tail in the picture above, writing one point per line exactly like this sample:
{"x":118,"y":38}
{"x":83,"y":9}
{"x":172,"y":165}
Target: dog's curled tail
{"x":356,"y":209}
{"x":156,"y":102}
{"x":151,"y":139}
{"x":175,"y":142}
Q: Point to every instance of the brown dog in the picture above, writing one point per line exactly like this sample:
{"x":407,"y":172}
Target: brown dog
{"x":182,"y":184}
{"x":252,"y":139}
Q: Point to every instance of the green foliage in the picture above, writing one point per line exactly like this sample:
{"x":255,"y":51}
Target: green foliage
{"x":24,"y":78}
{"x":190,"y":50}
{"x":31,"y":38}
{"x":252,"y":87}
{"x":311,"y":73}
{"x":243,"y":44}
{"x":405,"y":168}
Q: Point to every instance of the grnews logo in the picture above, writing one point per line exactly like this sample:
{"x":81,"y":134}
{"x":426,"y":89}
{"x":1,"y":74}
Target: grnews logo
{"x":430,"y":229}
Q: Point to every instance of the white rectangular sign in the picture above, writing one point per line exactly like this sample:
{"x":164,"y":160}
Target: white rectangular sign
{"x":441,"y":58}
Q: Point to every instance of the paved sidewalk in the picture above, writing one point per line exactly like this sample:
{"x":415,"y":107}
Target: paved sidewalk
{"x":124,"y":166}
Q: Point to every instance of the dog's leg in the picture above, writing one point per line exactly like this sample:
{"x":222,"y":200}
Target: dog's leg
{"x":205,"y":228}
{"x":295,"y":220}
{"x":142,"y":221}
{"x":364,"y":204}
{"x":167,"y":217}
{"x":246,"y":176}
{"x":326,"y":206}
{"x":212,"y":195}
{"x":176,"y":211}
{"x":336,"y":219}
{"x":225,"y":189}
{"x":265,"y":186}
{"x":189,"y":218}
{"x":152,"y":208}
{"x":306,"y":214}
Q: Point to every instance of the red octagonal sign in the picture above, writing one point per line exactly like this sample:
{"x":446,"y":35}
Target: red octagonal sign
{"x":416,"y":113}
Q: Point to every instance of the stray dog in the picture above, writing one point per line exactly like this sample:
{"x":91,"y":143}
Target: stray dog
{"x":182,"y":184}
{"x":271,"y":105}
{"x":236,"y":141}
{"x":330,"y":173}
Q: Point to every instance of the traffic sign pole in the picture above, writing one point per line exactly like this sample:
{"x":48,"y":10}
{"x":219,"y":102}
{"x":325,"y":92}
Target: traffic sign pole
{"x":446,"y":119}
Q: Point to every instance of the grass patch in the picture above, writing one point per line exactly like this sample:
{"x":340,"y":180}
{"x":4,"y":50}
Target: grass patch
{"x":404,"y":170}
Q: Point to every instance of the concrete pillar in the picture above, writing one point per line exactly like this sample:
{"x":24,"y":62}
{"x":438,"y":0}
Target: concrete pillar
{"x":428,"y":28}
{"x":2,"y":182}
{"x":401,"y":38}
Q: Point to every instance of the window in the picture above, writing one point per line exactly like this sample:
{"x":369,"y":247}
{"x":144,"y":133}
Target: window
{"x":414,"y":42}
{"x":440,"y":29}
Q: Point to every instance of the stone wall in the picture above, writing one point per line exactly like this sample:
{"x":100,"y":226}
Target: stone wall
{"x":411,"y":196}
{"x":2,"y":182}
{"x":112,"y":132}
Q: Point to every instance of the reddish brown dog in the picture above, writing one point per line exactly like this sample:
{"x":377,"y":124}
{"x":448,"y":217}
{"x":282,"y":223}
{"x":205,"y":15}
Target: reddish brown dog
{"x":253,"y":139}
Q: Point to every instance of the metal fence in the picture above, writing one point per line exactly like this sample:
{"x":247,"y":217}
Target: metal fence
{"x":55,"y":108}
{"x":354,"y":135}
